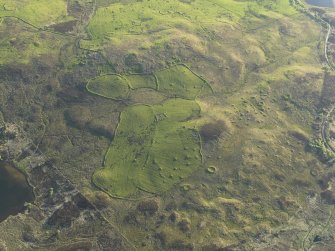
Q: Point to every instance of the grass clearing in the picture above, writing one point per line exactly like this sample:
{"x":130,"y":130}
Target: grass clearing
{"x":179,"y":81}
{"x":176,"y":81}
{"x":20,"y":46}
{"x":137,"y":81}
{"x":263,"y":65}
{"x":149,"y":21}
{"x":21,"y":24}
{"x":36,"y":12}
{"x":154,"y":148}
{"x":109,"y":86}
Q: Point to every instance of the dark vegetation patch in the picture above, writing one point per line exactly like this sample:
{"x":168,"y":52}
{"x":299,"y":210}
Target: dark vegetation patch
{"x":170,"y":242}
{"x":28,"y":234}
{"x":217,"y":247}
{"x":78,"y":116}
{"x":107,"y":241}
{"x":101,"y":129}
{"x":328,"y":196}
{"x":69,"y":212}
{"x":300,"y":183}
{"x":133,"y":64}
{"x":283,"y":203}
{"x":71,"y":95}
{"x":64,"y":216}
{"x":65,"y":27}
{"x":187,"y":1}
{"x":148,"y":207}
{"x":171,"y":206}
{"x":305,"y":98}
{"x":181,"y":245}
{"x":328,"y":91}
{"x":80,"y":9}
{"x":174,"y":216}
{"x":299,"y":135}
{"x":324,"y":182}
{"x":184,"y":225}
{"x":213,"y":130}
{"x":14,"y":73}
{"x":162,"y":237}
{"x":131,"y":218}
{"x":81,"y":117}
{"x":85,"y":245}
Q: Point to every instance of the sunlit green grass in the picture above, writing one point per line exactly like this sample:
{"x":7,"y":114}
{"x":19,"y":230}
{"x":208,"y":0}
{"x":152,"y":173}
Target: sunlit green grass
{"x":109,"y":86}
{"x":154,"y":148}
{"x":176,"y":81}
{"x":23,"y":46}
{"x":142,"y":81}
{"x":179,"y":81}
{"x":151,"y":19}
{"x":23,"y":41}
{"x":36,"y":12}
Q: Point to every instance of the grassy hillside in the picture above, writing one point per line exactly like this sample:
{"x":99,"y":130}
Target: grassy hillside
{"x":155,"y":147}
{"x":187,"y":123}
{"x":36,"y":12}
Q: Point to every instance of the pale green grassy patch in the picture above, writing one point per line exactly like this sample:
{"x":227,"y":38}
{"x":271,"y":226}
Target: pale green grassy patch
{"x":36,"y":12}
{"x":179,"y":81}
{"x":153,"y":149}
{"x":148,"y":20}
{"x":176,"y":81}
{"x":109,"y":86}
{"x":142,"y":81}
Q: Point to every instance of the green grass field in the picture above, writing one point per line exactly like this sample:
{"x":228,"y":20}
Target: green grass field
{"x":137,"y":81}
{"x":246,"y":75}
{"x":154,"y":148}
{"x":109,"y":86}
{"x":23,"y":40}
{"x":176,"y":81}
{"x":27,"y":45}
{"x":36,"y":12}
{"x":163,"y":20}
{"x":179,"y":81}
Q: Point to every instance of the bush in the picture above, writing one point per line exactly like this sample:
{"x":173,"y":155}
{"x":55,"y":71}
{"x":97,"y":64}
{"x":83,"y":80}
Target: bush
{"x":328,"y":196}
{"x":212,"y":131}
{"x":317,"y":146}
{"x":148,"y":207}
